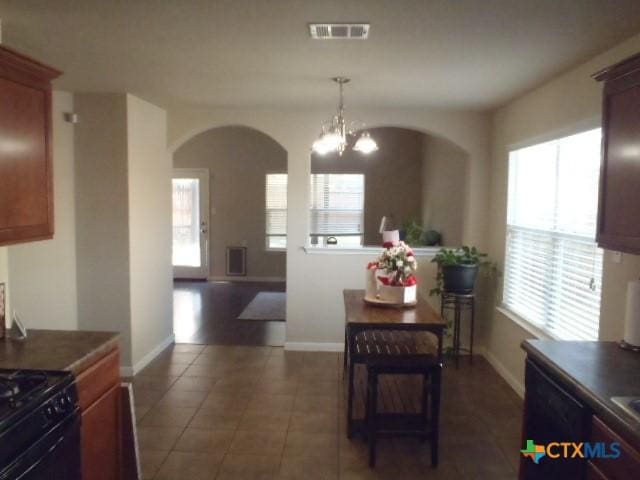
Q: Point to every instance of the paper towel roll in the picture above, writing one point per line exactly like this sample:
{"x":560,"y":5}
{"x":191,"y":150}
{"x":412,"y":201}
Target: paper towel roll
{"x":632,"y":314}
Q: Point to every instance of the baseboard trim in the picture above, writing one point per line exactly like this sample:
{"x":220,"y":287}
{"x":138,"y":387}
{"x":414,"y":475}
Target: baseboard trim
{"x":128,"y":371}
{"x":508,"y":377}
{"x":231,"y":278}
{"x":314,"y":347}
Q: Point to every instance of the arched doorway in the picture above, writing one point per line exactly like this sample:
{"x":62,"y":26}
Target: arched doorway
{"x":241,"y":299}
{"x":415,"y":181}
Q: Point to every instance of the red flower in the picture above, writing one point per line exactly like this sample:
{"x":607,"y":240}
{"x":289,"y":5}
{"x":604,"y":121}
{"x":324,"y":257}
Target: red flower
{"x":411,"y":280}
{"x":387,"y":244}
{"x":384,"y":280}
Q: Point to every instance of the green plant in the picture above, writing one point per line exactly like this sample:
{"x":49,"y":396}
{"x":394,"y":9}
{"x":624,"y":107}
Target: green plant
{"x":418,"y":236}
{"x":451,"y":257}
{"x":413,"y":233}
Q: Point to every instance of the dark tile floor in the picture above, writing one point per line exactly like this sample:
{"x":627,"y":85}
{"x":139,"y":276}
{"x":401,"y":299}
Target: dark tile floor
{"x":224,"y":412}
{"x":206,"y":313}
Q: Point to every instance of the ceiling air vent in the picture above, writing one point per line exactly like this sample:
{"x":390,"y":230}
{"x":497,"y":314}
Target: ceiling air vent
{"x":339,"y":31}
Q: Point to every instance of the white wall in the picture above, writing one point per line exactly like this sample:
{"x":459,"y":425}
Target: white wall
{"x":102,"y":221}
{"x":150,"y":272}
{"x":315,"y":312}
{"x":46,"y":270}
{"x":565,"y":105}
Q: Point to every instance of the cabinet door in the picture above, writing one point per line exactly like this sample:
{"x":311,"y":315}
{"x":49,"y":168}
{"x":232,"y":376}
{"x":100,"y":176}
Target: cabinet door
{"x":552,"y":415}
{"x":101,"y":438}
{"x":593,"y":473}
{"x":26,"y":181}
{"x":618,"y":213}
{"x":626,"y":466}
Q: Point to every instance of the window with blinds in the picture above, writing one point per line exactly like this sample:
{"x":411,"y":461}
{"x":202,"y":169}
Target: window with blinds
{"x":276,"y":210}
{"x":553,"y":267}
{"x":337,"y":208}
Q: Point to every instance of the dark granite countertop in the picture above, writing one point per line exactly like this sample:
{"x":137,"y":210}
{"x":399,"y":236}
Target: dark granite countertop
{"x":56,"y":350}
{"x":594,"y":372}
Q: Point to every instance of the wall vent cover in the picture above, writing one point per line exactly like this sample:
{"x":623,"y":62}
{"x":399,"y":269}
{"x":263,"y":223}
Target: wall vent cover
{"x":339,"y":31}
{"x":236,"y":261}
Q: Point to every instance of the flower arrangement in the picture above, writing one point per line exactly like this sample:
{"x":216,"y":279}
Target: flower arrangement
{"x":398,"y":263}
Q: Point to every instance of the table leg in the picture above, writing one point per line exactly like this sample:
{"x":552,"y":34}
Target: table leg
{"x":456,"y":333}
{"x":346,"y":349}
{"x":473,"y":314}
{"x":349,"y":338}
{"x":436,"y":379}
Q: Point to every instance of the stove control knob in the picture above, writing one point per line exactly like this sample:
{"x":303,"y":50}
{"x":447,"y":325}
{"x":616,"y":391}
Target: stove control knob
{"x":49,"y":412}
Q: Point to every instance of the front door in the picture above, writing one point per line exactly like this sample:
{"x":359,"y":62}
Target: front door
{"x":190,"y":223}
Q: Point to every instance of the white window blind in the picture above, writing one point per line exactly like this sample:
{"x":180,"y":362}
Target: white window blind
{"x":337,"y":205}
{"x":553,"y":267}
{"x":276,"y":211}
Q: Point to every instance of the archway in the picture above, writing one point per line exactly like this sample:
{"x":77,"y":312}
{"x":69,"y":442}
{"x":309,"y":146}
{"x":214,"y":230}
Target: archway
{"x":415,"y":181}
{"x":243,"y":298}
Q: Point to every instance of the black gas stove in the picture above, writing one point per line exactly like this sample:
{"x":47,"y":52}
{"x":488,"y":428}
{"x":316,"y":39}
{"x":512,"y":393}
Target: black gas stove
{"x":39,"y":425}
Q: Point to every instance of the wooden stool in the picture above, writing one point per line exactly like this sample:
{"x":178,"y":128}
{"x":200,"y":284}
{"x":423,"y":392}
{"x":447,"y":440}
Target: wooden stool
{"x":459,"y":303}
{"x":402,"y":353}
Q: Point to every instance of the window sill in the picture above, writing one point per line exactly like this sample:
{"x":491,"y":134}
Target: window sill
{"x":537,"y":332}
{"x":281,"y":250}
{"x":418,"y":251}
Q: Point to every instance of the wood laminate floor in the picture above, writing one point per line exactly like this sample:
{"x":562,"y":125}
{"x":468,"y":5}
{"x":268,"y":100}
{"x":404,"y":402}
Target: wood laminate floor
{"x":206,"y":313}
{"x":255,"y":412}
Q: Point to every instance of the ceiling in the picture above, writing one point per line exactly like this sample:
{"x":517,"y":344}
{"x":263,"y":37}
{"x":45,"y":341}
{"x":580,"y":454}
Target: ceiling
{"x":258,"y":53}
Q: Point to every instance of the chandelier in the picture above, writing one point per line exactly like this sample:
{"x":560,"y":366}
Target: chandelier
{"x":335,"y":133}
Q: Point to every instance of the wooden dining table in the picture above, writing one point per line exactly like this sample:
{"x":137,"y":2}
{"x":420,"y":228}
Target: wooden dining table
{"x":361,"y":316}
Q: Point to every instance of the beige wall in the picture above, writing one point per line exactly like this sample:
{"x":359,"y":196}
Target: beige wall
{"x":445,"y":188}
{"x":238,"y":158}
{"x":102,"y":221}
{"x":315,"y":313}
{"x":123,"y":223}
{"x":565,"y":105}
{"x":46,"y":270}
{"x":393,"y":177}
{"x":149,"y":180}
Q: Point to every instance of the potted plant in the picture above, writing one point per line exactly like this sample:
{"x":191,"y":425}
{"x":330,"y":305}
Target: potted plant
{"x":458,"y":269}
{"x":414,"y":234}
{"x":397,"y":266}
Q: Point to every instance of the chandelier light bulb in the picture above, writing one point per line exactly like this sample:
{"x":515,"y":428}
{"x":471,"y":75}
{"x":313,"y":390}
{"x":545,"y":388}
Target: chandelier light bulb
{"x":365,"y":144}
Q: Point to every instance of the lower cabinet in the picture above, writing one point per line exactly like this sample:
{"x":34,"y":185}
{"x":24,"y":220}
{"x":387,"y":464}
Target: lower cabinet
{"x":99,"y":398}
{"x":593,"y":473}
{"x":627,"y":465}
{"x":552,"y":414}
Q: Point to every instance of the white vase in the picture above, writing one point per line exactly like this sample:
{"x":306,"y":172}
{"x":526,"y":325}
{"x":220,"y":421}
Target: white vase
{"x":398,"y":295}
{"x":371,"y":289}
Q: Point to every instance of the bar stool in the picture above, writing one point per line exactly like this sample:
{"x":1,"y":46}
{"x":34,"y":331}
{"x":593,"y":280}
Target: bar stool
{"x":458,"y":304}
{"x":402,"y":353}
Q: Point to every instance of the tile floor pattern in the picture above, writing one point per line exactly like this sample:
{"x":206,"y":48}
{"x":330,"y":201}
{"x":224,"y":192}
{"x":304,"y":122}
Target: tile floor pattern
{"x":224,"y":412}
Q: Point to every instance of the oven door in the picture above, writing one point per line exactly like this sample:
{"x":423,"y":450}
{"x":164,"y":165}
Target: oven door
{"x":54,"y":456}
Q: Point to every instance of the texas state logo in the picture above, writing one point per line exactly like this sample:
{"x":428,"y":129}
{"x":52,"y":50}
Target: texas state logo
{"x":533,"y":451}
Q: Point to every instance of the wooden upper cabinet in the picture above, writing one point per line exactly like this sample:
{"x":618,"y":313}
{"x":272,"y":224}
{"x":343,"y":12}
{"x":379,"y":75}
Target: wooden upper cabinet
{"x":619,"y":203}
{"x":26,"y":173}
